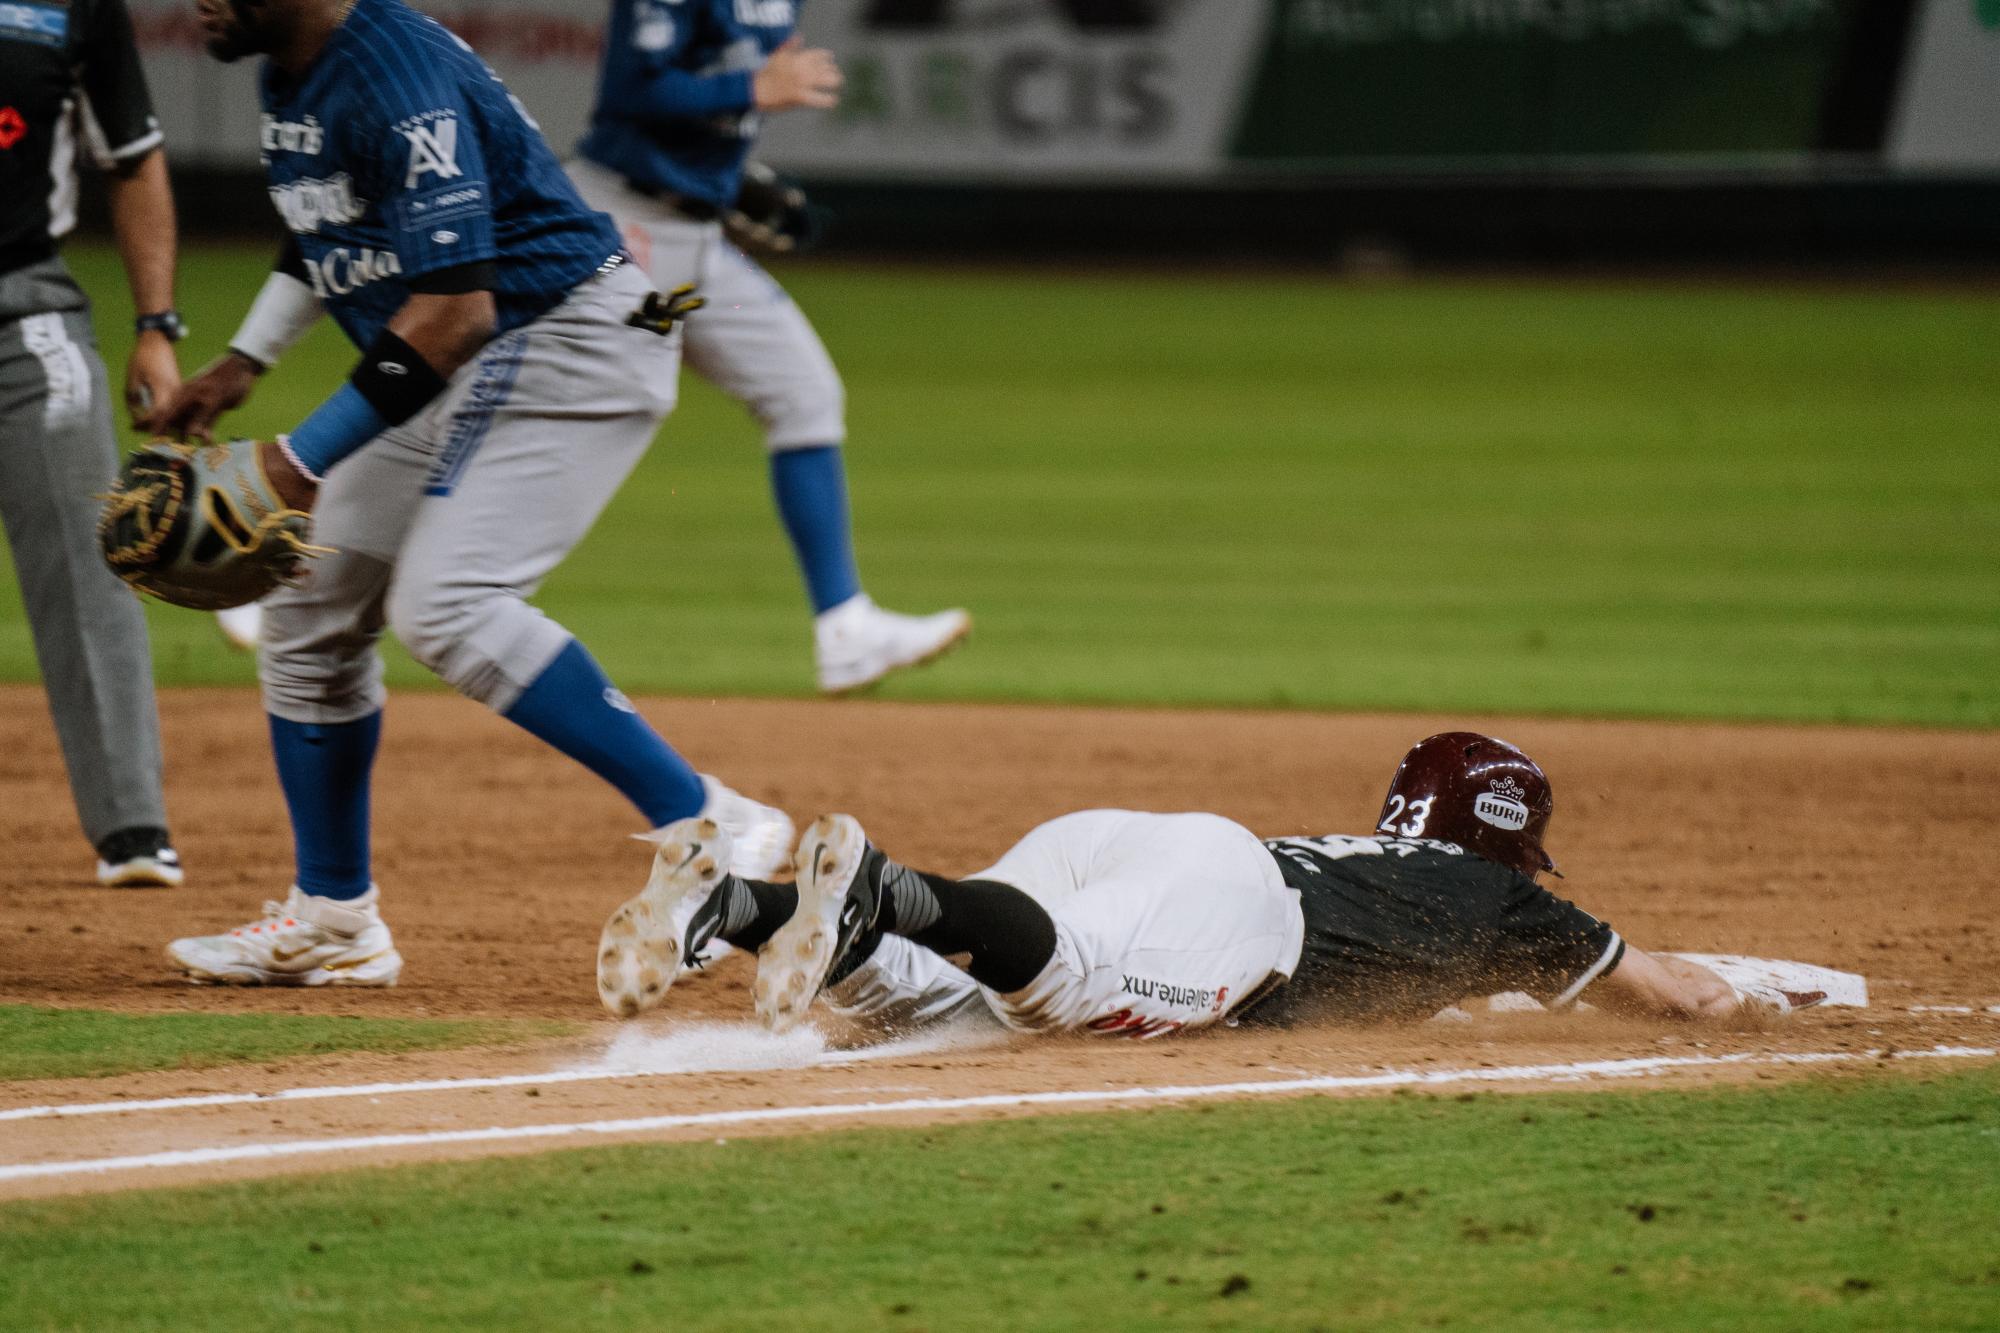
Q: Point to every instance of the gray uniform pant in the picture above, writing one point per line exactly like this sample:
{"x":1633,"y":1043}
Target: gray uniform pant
{"x":443,"y":527}
{"x":751,"y":340}
{"x":58,"y":453}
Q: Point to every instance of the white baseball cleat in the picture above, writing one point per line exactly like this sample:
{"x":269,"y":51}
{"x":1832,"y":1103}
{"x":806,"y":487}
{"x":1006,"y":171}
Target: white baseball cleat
{"x":837,"y":903}
{"x":669,"y":925}
{"x":242,"y":625}
{"x":857,"y":643}
{"x":303,"y":941}
{"x":760,"y":836}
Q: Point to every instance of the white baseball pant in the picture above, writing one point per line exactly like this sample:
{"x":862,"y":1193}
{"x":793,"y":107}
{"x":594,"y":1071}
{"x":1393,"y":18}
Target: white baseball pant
{"x":1163,"y":922}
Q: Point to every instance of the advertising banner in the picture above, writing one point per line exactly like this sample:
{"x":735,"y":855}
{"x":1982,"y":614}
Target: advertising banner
{"x":1079,"y":91}
{"x":1480,"y":84}
{"x":1054,"y":90}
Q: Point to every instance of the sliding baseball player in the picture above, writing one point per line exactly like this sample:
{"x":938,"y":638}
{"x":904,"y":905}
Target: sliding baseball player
{"x":1129,"y":924}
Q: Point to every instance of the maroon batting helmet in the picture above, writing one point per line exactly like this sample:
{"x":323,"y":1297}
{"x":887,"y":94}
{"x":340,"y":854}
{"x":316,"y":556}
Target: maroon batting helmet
{"x":1481,"y":793}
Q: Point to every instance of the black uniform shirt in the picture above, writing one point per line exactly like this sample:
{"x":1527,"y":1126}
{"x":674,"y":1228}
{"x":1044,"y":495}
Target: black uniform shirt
{"x":66,"y":67}
{"x":1402,"y":927}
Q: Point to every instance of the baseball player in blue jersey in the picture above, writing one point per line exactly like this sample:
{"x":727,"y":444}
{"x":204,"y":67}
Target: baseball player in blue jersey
{"x":515,"y":366}
{"x":684,"y":87}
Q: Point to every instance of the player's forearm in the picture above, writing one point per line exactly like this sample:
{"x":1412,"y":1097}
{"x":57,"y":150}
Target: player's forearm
{"x":1648,"y":985}
{"x":399,"y":375}
{"x":447,"y":330}
{"x":676,"y":94}
{"x":142,"y":217}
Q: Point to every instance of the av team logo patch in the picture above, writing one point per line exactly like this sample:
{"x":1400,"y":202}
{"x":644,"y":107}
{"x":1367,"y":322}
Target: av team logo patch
{"x":1503,"y":806}
{"x":433,"y":149}
{"x":13,"y":127}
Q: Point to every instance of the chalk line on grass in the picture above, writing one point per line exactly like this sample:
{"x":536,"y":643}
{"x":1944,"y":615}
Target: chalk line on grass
{"x":636,"y":1052}
{"x":1571,"y":1072}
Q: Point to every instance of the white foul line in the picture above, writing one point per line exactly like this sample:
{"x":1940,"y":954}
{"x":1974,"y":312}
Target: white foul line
{"x":591,"y":1074}
{"x":346,"y":1090}
{"x":837,"y":1110}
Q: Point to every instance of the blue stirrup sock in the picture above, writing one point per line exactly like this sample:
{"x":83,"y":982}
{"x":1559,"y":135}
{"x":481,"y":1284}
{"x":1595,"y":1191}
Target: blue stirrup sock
{"x":574,"y":706}
{"x":810,"y":486}
{"x":324,"y":770}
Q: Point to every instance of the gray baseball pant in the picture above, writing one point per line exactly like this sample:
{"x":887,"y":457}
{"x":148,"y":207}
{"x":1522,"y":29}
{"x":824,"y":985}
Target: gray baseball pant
{"x":58,"y":453}
{"x":751,"y":340}
{"x":443,"y":527}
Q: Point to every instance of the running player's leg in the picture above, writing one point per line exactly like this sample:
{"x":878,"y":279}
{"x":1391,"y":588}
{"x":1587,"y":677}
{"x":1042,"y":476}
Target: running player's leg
{"x":752,"y":341}
{"x":320,"y":668}
{"x":553,"y":418}
{"x":323,"y":692}
{"x":58,"y":452}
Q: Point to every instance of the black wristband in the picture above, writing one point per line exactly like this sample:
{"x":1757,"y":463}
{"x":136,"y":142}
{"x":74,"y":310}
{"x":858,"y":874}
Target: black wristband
{"x":396,"y":381}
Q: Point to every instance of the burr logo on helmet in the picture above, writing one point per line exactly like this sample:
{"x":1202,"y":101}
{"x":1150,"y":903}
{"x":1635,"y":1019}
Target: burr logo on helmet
{"x":1503,"y":806}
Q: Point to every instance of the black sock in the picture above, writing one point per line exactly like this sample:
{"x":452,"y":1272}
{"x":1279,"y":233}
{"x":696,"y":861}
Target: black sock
{"x":1008,"y":934}
{"x":752,"y":910}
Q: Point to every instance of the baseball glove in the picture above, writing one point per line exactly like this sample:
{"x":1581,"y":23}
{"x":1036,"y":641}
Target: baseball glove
{"x":771,"y":213}
{"x":200,"y":526}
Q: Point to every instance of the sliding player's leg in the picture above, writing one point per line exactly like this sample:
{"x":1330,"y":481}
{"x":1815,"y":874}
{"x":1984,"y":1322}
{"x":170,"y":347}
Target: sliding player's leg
{"x":1109,"y":921}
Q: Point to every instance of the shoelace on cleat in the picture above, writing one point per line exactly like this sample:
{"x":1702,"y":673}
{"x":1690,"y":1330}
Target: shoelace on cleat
{"x":272,"y":913}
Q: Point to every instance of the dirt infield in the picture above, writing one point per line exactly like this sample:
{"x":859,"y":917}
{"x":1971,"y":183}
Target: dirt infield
{"x":1870,"y":850}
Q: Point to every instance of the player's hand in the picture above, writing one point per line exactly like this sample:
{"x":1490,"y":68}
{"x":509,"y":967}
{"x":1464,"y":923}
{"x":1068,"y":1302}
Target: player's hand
{"x":223,"y":385}
{"x":152,"y":377}
{"x":797,"y":75}
{"x":293,"y":487}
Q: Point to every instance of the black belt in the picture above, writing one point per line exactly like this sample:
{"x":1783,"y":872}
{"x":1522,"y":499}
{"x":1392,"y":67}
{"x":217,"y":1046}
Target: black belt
{"x":20,"y":254}
{"x":698,"y":209}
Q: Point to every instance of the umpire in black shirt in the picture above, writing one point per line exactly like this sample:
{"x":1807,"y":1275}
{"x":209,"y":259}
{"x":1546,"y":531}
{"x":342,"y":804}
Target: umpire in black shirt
{"x":70,"y":79}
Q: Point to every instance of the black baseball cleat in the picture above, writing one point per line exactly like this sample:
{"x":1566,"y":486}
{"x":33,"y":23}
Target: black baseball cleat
{"x":646,"y":942}
{"x":840,"y":895}
{"x":138,"y":858}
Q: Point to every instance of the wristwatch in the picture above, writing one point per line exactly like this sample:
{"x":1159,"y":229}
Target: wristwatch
{"x":168,"y":322}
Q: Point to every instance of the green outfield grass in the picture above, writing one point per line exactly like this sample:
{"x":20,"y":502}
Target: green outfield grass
{"x":85,"y":1043}
{"x":1582,"y":499}
{"x":1848,"y":1204}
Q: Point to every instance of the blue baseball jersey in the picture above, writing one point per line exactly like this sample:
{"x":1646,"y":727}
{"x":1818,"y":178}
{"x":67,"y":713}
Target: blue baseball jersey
{"x":674,"y":104}
{"x":398,"y":153}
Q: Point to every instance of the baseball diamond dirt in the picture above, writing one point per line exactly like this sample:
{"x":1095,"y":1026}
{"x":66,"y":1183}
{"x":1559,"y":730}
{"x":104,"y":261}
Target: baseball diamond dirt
{"x":1867,"y":850}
